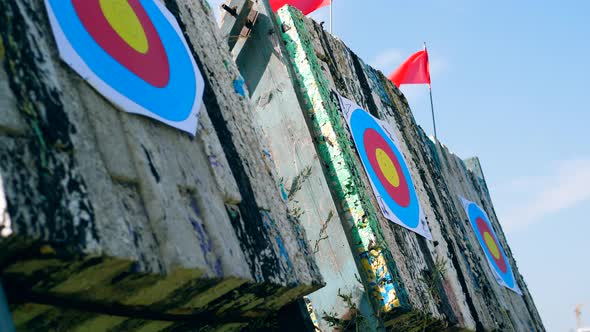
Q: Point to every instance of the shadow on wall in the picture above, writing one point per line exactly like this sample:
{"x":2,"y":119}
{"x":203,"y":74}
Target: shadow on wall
{"x":254,"y":57}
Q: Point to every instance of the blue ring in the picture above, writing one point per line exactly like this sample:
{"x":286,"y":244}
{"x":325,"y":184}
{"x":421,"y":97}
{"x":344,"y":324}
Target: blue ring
{"x":473,"y":212}
{"x":165,"y":102}
{"x":360,"y":121}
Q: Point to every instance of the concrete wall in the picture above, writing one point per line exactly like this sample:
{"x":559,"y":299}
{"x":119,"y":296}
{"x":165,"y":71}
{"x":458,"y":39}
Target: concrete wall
{"x":396,"y":265}
{"x":114,"y":221}
{"x":109,"y":213}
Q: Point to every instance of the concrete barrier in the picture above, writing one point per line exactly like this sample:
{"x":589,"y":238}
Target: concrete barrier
{"x":116,"y":221}
{"x":388,"y":256}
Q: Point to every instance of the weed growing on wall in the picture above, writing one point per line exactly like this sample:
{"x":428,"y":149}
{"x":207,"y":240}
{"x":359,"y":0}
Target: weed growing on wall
{"x":353,"y":320}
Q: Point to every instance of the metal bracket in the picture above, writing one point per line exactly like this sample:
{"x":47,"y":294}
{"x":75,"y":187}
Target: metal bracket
{"x":249,"y":23}
{"x":231,"y":10}
{"x":239,"y":20}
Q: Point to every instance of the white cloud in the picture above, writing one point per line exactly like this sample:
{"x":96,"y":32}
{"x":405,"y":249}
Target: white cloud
{"x":438,"y":66}
{"x":566,"y":188}
{"x":387,"y":60}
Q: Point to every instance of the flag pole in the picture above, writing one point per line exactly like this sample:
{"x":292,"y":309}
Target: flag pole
{"x":432,"y":110}
{"x":431,"y":103}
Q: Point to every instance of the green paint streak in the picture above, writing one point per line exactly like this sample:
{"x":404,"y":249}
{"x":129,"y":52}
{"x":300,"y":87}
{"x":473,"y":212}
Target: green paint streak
{"x":376,"y":263}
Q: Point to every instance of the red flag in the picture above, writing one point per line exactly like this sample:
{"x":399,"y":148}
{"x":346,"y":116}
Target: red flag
{"x":415,"y":70}
{"x":305,"y":6}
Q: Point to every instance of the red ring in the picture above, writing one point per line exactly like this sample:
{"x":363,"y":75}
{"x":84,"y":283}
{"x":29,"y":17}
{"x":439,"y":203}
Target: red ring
{"x":152,"y":67}
{"x":482,"y":228}
{"x":372,"y":141}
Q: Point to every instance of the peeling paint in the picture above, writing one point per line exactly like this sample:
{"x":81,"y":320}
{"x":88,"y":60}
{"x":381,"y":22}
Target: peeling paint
{"x":336,"y":152}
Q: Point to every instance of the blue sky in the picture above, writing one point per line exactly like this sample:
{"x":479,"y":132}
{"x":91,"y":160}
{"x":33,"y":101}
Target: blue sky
{"x":509,"y":80}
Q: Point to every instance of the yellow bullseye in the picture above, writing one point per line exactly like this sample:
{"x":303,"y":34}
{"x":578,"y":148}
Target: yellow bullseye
{"x":125,"y":22}
{"x":492,"y":247}
{"x":387,"y":167}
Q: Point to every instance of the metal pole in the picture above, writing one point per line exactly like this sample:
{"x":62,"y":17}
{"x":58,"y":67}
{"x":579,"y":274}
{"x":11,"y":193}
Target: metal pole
{"x":430,"y":91}
{"x":432,"y":110}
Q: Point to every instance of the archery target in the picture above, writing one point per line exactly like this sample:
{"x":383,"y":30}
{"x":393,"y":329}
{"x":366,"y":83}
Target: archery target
{"x":386,"y":168}
{"x":488,"y":240}
{"x":134,"y":53}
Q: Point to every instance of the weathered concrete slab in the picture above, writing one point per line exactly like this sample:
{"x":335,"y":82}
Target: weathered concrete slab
{"x":290,"y":145}
{"x":441,"y":283}
{"x":113,"y":210}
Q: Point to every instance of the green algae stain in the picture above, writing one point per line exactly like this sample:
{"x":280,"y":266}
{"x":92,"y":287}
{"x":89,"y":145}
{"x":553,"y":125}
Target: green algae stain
{"x":338,"y":156}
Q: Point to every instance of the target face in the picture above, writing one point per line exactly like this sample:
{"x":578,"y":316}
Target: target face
{"x":132,"y":52}
{"x":386,"y":168}
{"x":488,"y":240}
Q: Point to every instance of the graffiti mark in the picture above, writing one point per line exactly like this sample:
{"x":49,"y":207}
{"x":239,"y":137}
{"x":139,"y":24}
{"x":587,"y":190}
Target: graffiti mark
{"x":205,"y":242}
{"x":271,"y":225}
